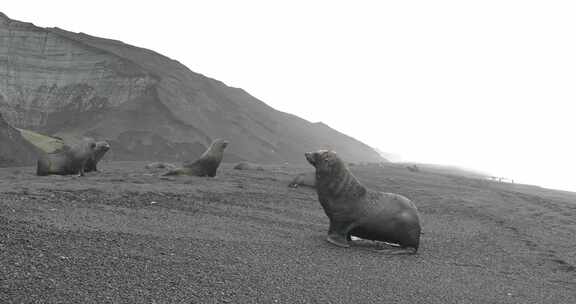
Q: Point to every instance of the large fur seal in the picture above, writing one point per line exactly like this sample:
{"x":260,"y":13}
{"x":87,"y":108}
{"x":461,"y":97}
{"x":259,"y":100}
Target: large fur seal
{"x":68,"y":160}
{"x":356,"y":211}
{"x":207,"y":164}
{"x":101,"y":148}
{"x":307,"y":179}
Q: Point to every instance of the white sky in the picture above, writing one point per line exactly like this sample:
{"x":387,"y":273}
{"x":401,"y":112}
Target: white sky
{"x":487,"y":85}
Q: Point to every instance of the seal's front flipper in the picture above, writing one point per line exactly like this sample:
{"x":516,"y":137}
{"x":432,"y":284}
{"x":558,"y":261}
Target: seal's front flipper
{"x":338,"y":234}
{"x":338,"y":240}
{"x":171,"y":173}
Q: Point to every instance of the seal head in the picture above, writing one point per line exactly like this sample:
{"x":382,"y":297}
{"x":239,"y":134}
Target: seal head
{"x":100,"y":149}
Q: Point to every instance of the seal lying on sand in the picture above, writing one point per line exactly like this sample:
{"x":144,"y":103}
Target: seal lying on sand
{"x":101,"y":148}
{"x":248,"y":166}
{"x":160,"y":165}
{"x":356,"y":211}
{"x":68,"y":160}
{"x":307,"y":179}
{"x":207,"y":164}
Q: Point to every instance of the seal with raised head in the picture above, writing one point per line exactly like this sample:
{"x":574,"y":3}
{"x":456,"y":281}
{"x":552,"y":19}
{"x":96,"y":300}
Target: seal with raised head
{"x":101,"y":148}
{"x":307,"y":179}
{"x":207,"y":164}
{"x":68,"y":160}
{"x":354,"y":210}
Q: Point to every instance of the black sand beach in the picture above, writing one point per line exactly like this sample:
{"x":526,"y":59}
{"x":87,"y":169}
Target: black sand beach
{"x":126,"y":235}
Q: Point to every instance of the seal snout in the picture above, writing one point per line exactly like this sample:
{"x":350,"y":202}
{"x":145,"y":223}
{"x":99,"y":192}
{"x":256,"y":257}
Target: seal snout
{"x":310,"y":158}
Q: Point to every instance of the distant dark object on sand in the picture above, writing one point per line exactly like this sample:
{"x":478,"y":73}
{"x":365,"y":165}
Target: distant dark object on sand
{"x":160,"y":165}
{"x":413,"y":168}
{"x":207,"y":164}
{"x":306,"y":179}
{"x":248,"y":166}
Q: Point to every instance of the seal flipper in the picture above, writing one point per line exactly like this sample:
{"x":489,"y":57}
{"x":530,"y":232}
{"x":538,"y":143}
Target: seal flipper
{"x":42,"y":167}
{"x":338,"y":234}
{"x":338,"y":240}
{"x":169,"y":173}
{"x":176,"y":171}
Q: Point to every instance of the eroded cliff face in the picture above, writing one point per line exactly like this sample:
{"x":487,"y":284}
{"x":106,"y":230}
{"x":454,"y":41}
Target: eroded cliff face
{"x":45,"y":76}
{"x":147,"y":105}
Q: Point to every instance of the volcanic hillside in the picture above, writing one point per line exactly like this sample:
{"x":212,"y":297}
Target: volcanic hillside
{"x":148,"y":106}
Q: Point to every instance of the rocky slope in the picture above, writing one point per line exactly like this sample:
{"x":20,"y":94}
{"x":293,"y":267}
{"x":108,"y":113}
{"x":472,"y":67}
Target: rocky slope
{"x":147,"y":105}
{"x":14,"y":149}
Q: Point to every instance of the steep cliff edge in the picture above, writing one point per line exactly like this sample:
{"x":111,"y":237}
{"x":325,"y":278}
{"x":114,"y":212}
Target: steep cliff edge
{"x":147,"y":105}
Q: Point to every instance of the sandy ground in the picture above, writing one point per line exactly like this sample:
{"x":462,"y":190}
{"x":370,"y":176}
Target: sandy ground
{"x":126,"y":235}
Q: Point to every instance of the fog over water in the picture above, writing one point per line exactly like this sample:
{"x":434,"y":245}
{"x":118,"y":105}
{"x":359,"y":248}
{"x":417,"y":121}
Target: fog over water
{"x":486,"y":85}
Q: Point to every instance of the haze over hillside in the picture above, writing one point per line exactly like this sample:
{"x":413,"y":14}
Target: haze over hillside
{"x":146,"y":105}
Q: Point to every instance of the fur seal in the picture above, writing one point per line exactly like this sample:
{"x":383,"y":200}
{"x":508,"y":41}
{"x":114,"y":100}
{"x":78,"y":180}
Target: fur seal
{"x":354,"y":210}
{"x":248,"y":166}
{"x":413,"y":168}
{"x":101,"y":148}
{"x":68,"y":160}
{"x":207,"y":164}
{"x":160,"y":165}
{"x":307,"y":179}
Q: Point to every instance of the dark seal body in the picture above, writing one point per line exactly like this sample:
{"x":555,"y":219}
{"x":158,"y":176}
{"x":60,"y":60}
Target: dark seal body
{"x":101,"y":148}
{"x":207,"y":164}
{"x":160,"y":165}
{"x":307,"y":179}
{"x":354,"y":210}
{"x":248,"y":166}
{"x":68,"y":160}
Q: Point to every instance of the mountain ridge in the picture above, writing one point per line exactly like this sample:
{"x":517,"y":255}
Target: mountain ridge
{"x":149,"y":106}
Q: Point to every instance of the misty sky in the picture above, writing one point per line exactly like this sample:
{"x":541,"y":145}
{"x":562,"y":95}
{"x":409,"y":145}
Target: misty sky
{"x":487,"y":85}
